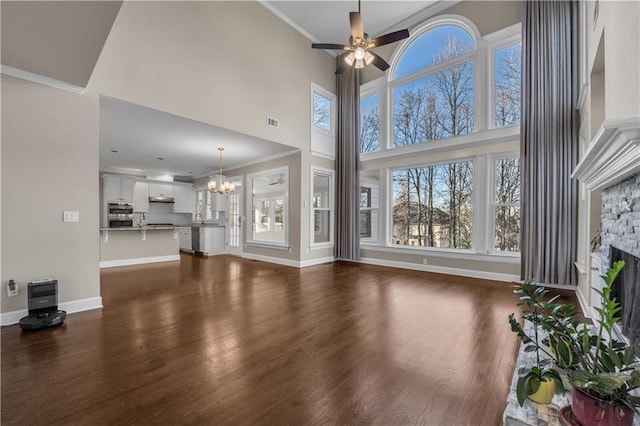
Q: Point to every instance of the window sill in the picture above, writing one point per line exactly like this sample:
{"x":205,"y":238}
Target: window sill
{"x":513,"y":259}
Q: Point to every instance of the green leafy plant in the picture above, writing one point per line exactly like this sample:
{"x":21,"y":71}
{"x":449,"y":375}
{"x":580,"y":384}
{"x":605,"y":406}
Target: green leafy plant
{"x":595,"y":361}
{"x":530,"y":379}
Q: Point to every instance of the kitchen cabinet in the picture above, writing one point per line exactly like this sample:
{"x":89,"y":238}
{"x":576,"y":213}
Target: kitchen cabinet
{"x":184,"y":196}
{"x":116,"y":188}
{"x":184,"y":236}
{"x":212,"y":240}
{"x":141,"y":196}
{"x":161,"y":189}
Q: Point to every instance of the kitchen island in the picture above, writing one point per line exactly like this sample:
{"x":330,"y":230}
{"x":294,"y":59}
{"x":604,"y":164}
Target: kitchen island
{"x":138,"y":245}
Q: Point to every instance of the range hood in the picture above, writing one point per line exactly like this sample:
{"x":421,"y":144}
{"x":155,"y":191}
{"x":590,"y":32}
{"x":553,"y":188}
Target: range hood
{"x":161,"y":199}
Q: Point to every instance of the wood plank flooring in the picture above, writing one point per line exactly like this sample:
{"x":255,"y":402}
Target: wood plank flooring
{"x":225,"y":340}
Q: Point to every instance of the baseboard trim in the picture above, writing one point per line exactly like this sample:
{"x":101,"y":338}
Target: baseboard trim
{"x":138,"y":261}
{"x":13,"y":317}
{"x":287,"y":262}
{"x":442,"y":270}
{"x":586,"y":310}
{"x":318,"y":261}
{"x":269,"y":259}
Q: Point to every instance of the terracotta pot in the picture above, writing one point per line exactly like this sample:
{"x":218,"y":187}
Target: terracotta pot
{"x":591,"y":411}
{"x":545,"y":392}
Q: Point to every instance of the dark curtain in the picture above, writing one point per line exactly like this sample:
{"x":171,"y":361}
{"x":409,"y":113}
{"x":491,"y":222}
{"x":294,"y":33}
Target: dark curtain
{"x":347,"y":165}
{"x":549,"y":141}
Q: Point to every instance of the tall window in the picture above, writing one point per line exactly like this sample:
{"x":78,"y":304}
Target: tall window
{"x":370,"y":124}
{"x":444,"y":178}
{"x":369,"y":206}
{"x":507,"y":85}
{"x":433,"y":206}
{"x":507,"y":205}
{"x":268,"y":203}
{"x":322,"y":203}
{"x":322,"y":122}
{"x":433,"y":89}
{"x":321,"y":111}
{"x":203,"y":205}
{"x":365,"y":212}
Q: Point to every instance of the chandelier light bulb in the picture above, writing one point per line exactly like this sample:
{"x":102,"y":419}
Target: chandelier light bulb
{"x":359,"y":52}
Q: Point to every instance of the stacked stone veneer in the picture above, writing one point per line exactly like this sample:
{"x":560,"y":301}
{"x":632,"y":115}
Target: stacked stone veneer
{"x":621,"y":216}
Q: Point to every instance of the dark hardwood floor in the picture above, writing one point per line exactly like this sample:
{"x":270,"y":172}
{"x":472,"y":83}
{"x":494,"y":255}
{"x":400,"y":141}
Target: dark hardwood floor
{"x":224,"y":340}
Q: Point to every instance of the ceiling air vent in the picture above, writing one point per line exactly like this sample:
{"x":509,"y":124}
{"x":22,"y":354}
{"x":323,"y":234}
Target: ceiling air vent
{"x":272,"y":122}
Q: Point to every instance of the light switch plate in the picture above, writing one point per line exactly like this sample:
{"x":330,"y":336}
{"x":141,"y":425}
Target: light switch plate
{"x":71,"y":216}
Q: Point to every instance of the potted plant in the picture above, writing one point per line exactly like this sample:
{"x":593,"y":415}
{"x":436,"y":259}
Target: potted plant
{"x":602,"y":370}
{"x":540,"y":382}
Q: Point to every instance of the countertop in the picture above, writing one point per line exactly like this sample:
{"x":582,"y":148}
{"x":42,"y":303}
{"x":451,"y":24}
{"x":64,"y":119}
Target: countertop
{"x":163,"y":227}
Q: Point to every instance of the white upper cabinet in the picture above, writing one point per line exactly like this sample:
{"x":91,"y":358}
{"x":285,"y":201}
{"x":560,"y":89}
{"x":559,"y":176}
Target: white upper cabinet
{"x":117,"y":188}
{"x":161,"y":189}
{"x":141,"y":196}
{"x":184,"y":196}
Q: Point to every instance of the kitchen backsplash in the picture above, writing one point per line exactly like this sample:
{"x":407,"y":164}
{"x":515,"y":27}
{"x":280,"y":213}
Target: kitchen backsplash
{"x":162,"y":213}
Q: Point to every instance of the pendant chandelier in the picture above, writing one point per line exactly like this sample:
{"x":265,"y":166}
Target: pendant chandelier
{"x":220,"y":187}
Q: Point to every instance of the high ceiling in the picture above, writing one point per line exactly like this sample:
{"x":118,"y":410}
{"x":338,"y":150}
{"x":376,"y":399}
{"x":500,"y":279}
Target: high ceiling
{"x":328,"y":21}
{"x":63,"y":40}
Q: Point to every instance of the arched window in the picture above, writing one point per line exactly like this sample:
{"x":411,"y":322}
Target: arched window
{"x":433,"y":86}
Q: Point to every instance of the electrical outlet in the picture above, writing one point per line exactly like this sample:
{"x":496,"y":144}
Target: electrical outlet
{"x":71,"y":216}
{"x":12,"y":288}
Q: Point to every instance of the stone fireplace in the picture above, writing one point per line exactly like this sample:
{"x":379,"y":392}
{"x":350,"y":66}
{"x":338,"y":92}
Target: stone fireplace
{"x":612,"y":165}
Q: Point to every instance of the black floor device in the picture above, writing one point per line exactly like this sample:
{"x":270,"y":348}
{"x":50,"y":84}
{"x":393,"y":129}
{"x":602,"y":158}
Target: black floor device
{"x":42,"y":298}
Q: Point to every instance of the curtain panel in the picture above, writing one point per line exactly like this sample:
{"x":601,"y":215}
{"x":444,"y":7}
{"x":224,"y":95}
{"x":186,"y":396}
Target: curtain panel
{"x":549,"y":145}
{"x":347,"y":165}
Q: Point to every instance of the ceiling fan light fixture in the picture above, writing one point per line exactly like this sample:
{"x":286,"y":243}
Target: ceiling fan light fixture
{"x":350,"y":58}
{"x":359,"y":52}
{"x":368,"y":58}
{"x":360,"y":63}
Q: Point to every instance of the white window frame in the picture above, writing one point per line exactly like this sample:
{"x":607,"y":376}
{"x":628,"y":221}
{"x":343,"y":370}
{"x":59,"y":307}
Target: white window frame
{"x":328,"y":173}
{"x":251,"y":241}
{"x":493,"y":204}
{"x":323,"y":141}
{"x":368,"y":209}
{"x":498,"y":40}
{"x":206,"y":215}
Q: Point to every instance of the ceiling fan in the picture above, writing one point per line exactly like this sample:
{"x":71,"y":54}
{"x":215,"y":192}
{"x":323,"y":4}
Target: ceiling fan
{"x":359,"y":45}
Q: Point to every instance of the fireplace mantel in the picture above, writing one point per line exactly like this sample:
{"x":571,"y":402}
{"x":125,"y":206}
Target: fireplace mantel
{"x":612,"y":156}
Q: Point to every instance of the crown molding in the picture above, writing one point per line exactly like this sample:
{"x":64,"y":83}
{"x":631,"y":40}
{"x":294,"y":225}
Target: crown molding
{"x":41,"y":79}
{"x":612,"y":156}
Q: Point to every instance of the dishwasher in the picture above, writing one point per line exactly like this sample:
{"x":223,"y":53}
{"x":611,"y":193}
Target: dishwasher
{"x":195,"y":240}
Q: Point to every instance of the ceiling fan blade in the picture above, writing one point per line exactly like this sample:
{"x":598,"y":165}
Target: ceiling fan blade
{"x":357,"y":30}
{"x":379,"y":62}
{"x":328,"y":46}
{"x":389,"y":38}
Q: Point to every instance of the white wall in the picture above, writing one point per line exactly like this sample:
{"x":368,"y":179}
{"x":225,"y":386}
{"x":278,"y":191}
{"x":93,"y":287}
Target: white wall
{"x":224,"y":63}
{"x":49,"y":165}
{"x":619,"y":23}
